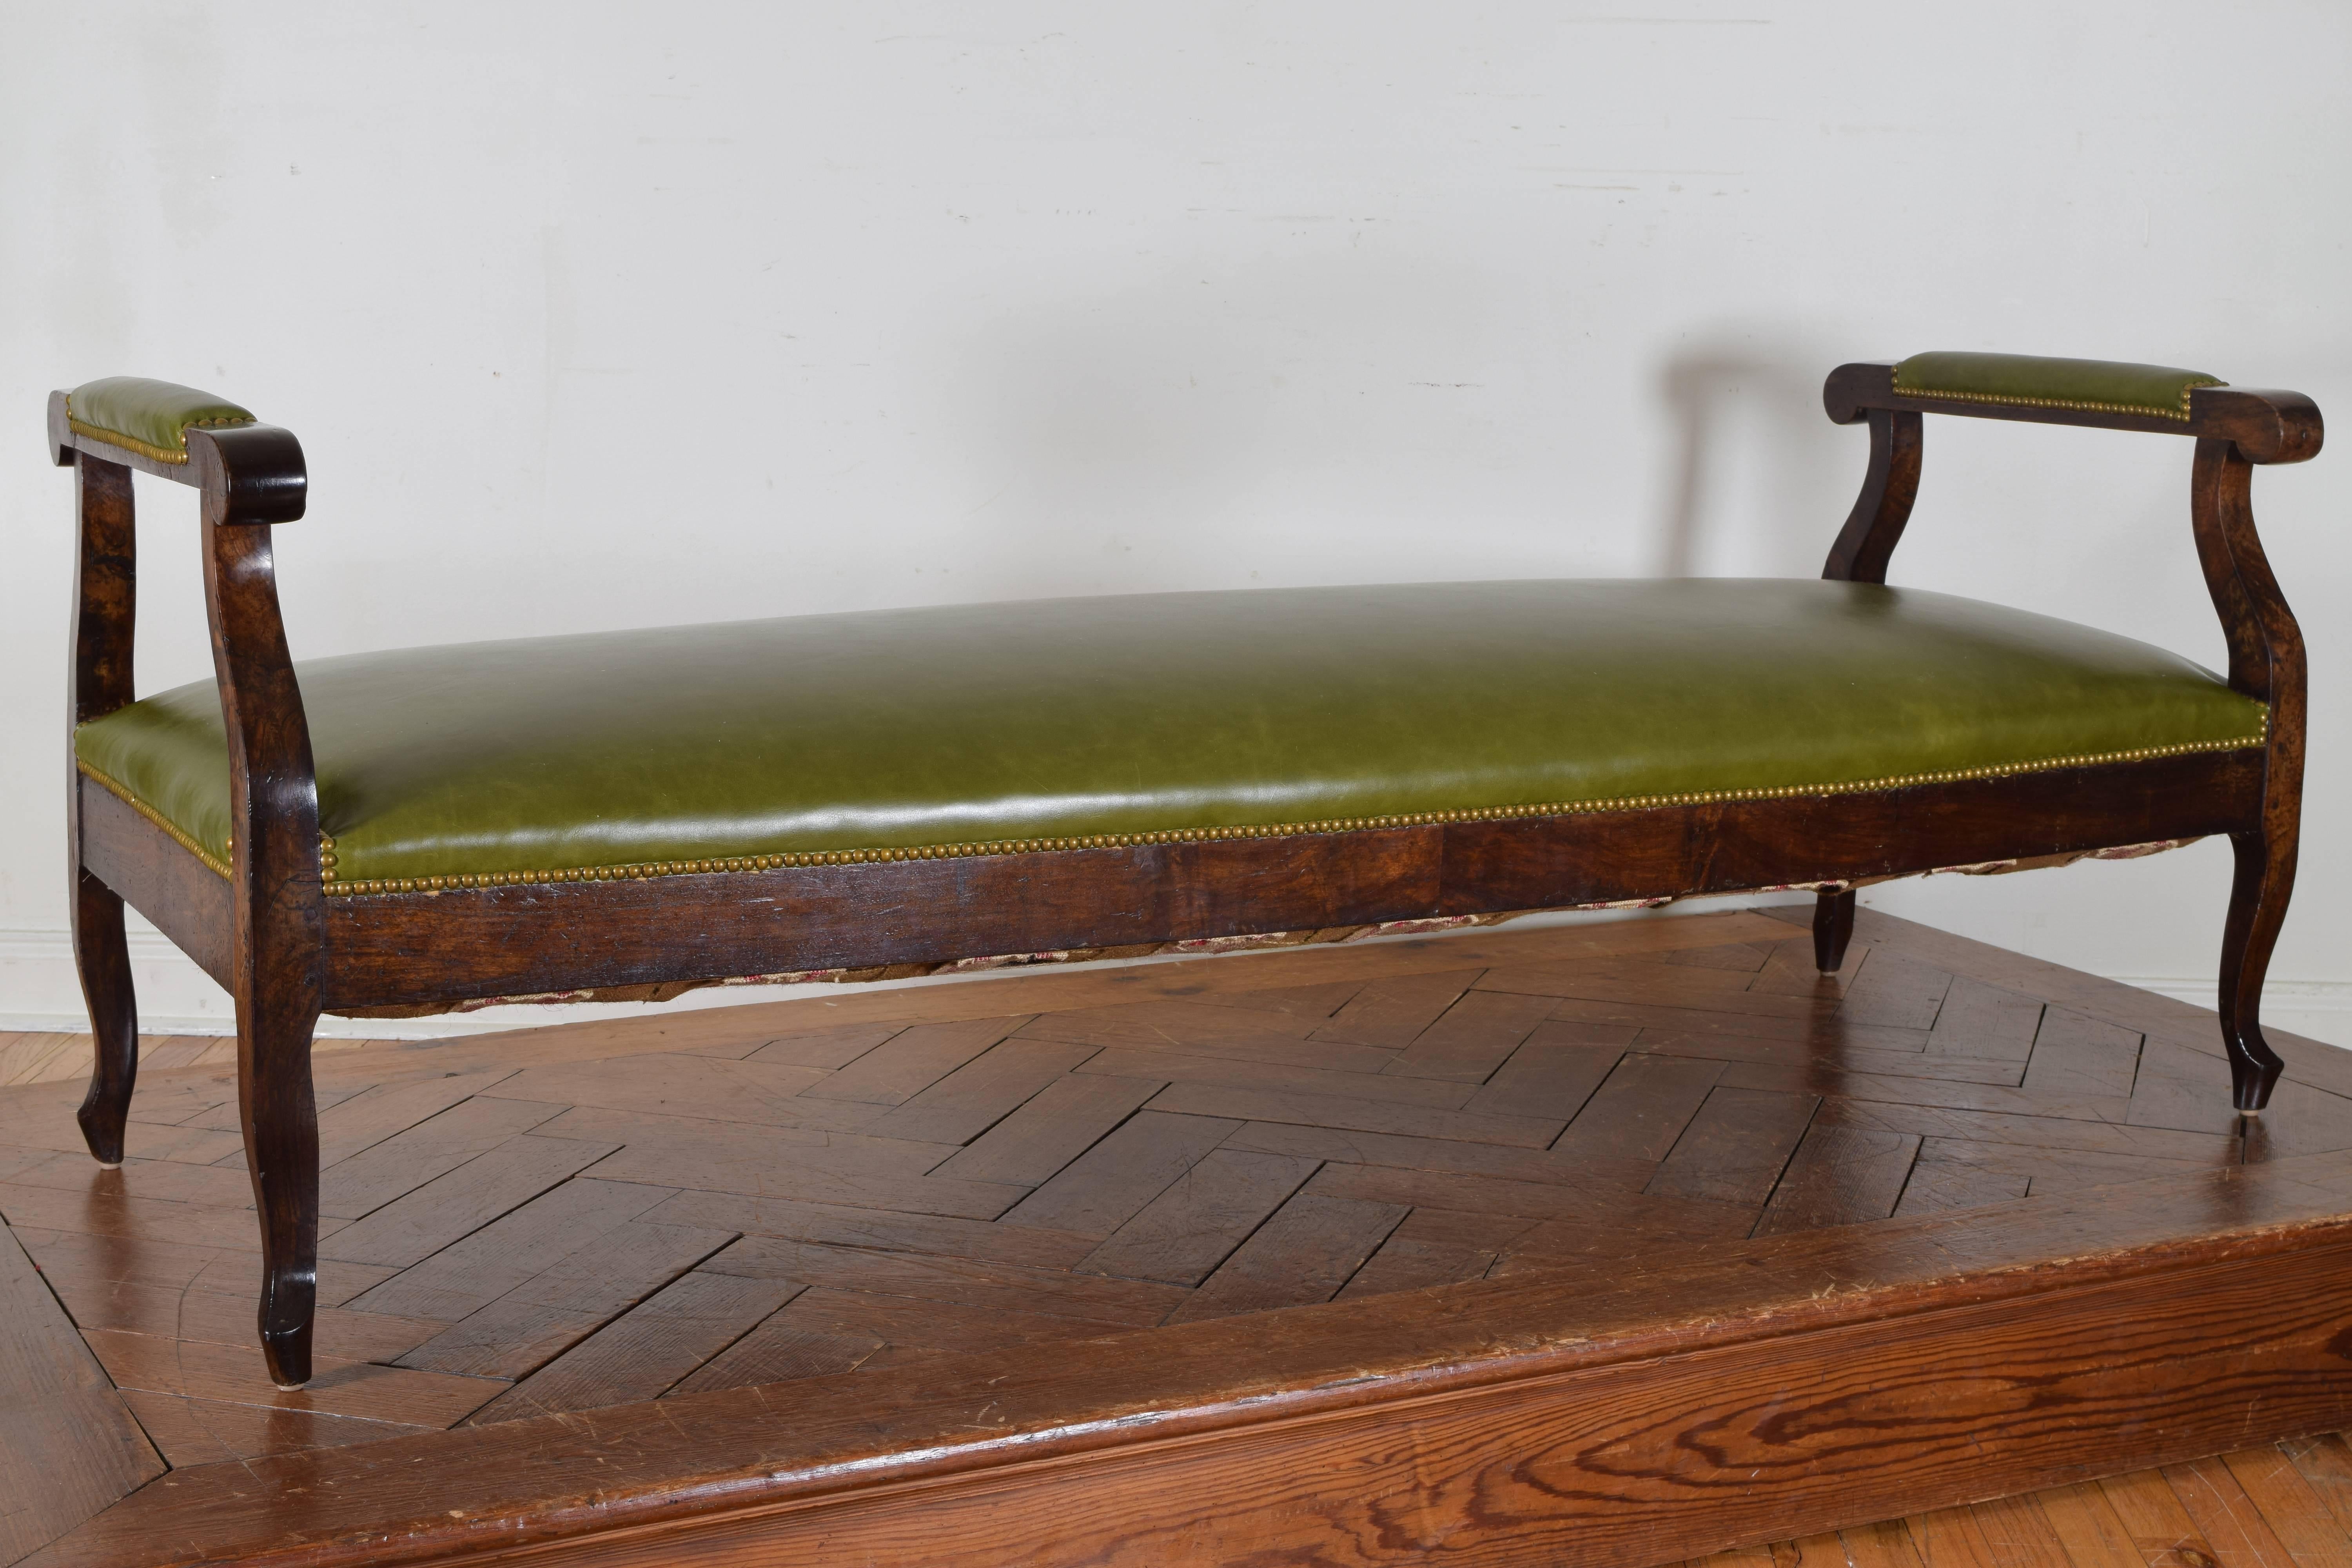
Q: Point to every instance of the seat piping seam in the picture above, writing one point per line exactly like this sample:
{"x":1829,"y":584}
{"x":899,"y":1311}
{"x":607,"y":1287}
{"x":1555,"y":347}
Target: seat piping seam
{"x":148,"y":448}
{"x":647,"y":870}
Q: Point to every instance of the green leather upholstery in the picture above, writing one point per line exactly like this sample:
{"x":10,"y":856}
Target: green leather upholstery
{"x":151,"y":417}
{"x":2107,"y":387}
{"x":1169,"y":715}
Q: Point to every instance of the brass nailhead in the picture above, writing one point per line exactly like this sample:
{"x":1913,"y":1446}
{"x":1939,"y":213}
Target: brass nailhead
{"x":2148,"y":410}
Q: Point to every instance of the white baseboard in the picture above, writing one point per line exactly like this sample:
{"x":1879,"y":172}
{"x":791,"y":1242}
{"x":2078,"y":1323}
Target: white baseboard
{"x":2316,"y":1009}
{"x":39,"y":992}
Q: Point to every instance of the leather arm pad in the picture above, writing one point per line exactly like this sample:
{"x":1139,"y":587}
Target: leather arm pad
{"x":150,"y":417}
{"x":2267,"y":427}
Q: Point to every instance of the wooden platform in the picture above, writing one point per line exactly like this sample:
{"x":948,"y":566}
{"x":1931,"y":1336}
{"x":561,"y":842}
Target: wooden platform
{"x":1614,"y":1244}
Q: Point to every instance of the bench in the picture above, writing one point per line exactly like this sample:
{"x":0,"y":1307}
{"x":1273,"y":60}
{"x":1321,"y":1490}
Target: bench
{"x":624,"y":814}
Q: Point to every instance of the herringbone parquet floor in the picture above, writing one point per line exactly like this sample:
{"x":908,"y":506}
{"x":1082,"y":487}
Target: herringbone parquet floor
{"x":564,"y":1219}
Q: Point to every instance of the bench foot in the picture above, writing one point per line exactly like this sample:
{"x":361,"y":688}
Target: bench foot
{"x":281,"y":1148}
{"x":1833,"y":929}
{"x":104,"y":962}
{"x":2258,"y":897}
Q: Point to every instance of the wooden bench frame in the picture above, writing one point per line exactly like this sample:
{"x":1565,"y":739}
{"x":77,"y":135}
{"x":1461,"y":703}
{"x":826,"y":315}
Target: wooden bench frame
{"x":286,"y":951}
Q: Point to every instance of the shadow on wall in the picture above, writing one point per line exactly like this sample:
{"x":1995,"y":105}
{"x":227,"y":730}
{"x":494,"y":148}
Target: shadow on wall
{"x":1336,"y":417}
{"x":1757,"y":480}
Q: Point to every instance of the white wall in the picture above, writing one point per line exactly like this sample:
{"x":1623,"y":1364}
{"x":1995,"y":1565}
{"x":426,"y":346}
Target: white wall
{"x":599,"y":315}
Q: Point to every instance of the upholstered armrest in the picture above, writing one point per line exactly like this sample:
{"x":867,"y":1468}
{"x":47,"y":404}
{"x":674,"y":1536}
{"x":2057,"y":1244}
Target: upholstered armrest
{"x":2267,"y":427}
{"x":2031,"y":381}
{"x":179,"y":433}
{"x":150,"y":417}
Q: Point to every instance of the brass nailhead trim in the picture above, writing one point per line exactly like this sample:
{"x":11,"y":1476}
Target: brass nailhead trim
{"x":2151,"y":410}
{"x":642,"y":870}
{"x":122,"y":792}
{"x":161,"y":453}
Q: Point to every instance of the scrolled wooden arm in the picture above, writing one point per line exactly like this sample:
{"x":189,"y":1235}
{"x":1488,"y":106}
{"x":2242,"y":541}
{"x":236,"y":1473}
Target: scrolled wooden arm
{"x":2236,"y":428}
{"x":258,"y":467}
{"x":256,"y":471}
{"x":250,"y":476}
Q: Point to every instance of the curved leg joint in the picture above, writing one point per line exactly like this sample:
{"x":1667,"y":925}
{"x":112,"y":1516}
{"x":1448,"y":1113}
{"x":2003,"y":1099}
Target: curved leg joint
{"x":281,"y":1146}
{"x":2254,"y":1071}
{"x":1833,"y":929}
{"x":104,"y":962}
{"x":288,"y":1304}
{"x":2258,"y":896}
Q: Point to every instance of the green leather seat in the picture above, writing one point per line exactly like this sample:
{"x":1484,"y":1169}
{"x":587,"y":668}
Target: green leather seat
{"x":885,"y":733}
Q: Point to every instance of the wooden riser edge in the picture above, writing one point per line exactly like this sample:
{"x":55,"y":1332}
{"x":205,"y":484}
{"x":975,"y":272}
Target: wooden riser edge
{"x":1598,"y":1413}
{"x":1648,"y":1462}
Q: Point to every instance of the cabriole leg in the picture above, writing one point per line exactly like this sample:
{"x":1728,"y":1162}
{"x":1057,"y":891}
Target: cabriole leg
{"x":1833,"y":929}
{"x":281,"y":1147}
{"x":104,"y":962}
{"x":2258,"y":897}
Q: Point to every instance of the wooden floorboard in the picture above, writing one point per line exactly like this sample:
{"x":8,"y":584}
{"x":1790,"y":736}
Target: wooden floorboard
{"x":70,"y":1447}
{"x":1543,"y":1387}
{"x":843,"y":1192}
